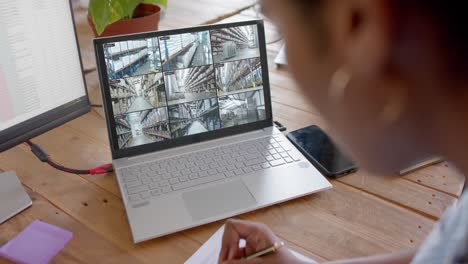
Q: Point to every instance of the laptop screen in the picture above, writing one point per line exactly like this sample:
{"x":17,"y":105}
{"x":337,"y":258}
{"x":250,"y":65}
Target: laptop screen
{"x":173,"y":85}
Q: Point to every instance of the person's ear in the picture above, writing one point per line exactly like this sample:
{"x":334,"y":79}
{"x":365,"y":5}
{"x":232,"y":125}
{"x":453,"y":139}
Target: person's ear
{"x":362,"y":31}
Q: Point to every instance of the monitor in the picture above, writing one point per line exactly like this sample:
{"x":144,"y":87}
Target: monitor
{"x":41,"y":78}
{"x":171,"y":88}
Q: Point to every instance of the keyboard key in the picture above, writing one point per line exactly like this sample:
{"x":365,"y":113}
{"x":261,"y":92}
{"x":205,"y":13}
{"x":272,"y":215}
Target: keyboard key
{"x":198,"y":181}
{"x":252,"y":150}
{"x":202,"y":174}
{"x":124,"y":171}
{"x":146,"y":180}
{"x":156,"y":192}
{"x":231,"y":167}
{"x":286,"y":146}
{"x":240,"y":159}
{"x":190,"y":164}
{"x":277,"y":156}
{"x":135,"y":197}
{"x":138,"y":189}
{"x":239,"y":172}
{"x":266,"y":165}
{"x":240,"y":165}
{"x":275,"y":163}
{"x":284,"y":155}
{"x":186,"y":172}
{"x":164,"y":183}
{"x":254,"y":161}
{"x":152,"y":174}
{"x":157,"y":179}
{"x":251,"y":156}
{"x":174,"y":180}
{"x":248,"y":170}
{"x":256,"y":167}
{"x":229,"y":174}
{"x":204,"y":167}
{"x":176,"y":174}
{"x":166,"y":189}
{"x":166,"y":176}
{"x":130,"y":179}
{"x":195,"y":170}
{"x":213,"y":166}
{"x":212,"y":172}
{"x":288,"y":160}
{"x":280,"y":150}
{"x":153,"y":186}
{"x":133,"y":184}
{"x":221,"y":169}
{"x":294,"y":156}
{"x":145,"y":195}
{"x":194,"y":176}
{"x":270,"y":158}
{"x":183,"y":178}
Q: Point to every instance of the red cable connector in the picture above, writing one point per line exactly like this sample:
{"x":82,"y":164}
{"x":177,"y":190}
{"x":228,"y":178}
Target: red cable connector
{"x":102,"y":169}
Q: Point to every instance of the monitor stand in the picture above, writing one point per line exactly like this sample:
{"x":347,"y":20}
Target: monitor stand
{"x":13,"y":197}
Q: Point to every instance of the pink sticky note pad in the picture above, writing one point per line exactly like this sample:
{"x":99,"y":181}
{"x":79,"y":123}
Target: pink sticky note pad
{"x":37,"y":244}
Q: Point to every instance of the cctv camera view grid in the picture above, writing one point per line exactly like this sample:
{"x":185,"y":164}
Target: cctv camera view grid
{"x":185,"y":84}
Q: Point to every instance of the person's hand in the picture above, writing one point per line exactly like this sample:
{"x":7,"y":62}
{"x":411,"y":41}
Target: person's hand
{"x":257,"y":236}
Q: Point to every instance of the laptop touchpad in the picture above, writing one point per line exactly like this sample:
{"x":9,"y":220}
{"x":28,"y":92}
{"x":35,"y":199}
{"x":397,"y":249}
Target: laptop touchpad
{"x":218,"y":200}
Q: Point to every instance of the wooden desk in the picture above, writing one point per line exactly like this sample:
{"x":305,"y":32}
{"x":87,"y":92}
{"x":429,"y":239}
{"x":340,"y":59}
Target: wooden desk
{"x":361,"y":215}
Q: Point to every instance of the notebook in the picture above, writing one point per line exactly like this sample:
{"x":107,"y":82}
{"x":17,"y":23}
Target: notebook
{"x":208,"y":253}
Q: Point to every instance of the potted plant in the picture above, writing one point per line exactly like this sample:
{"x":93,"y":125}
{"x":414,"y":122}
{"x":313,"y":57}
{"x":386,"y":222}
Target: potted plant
{"x":118,"y":17}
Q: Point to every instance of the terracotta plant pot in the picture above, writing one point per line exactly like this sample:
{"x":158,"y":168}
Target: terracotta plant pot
{"x":146,"y":19}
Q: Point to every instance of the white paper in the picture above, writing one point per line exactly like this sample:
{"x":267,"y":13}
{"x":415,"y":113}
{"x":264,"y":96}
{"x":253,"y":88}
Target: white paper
{"x":208,"y":253}
{"x":281,"y":57}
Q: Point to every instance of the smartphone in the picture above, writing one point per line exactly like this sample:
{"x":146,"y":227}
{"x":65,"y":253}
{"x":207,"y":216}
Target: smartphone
{"x":320,"y":150}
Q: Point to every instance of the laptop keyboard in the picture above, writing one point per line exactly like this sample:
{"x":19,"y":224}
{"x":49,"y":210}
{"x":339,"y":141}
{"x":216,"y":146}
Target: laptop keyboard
{"x":151,"y":179}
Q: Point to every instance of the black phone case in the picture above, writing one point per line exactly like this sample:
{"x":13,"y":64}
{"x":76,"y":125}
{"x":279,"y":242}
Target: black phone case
{"x":318,"y":165}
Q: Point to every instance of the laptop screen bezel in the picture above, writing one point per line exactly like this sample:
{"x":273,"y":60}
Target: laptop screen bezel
{"x":185,"y":140}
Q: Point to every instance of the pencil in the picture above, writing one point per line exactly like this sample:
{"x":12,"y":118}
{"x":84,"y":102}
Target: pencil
{"x":275,"y":247}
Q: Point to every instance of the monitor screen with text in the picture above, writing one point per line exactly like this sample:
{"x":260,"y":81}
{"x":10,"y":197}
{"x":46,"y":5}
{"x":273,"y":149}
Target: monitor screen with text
{"x":40,"y":66}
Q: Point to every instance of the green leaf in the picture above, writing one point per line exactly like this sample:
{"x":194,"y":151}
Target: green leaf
{"x":162,"y":3}
{"x":106,"y":12}
{"x":99,"y":14}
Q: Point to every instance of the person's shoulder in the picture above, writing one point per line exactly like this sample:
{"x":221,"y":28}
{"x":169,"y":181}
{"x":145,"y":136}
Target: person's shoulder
{"x":448,"y":242}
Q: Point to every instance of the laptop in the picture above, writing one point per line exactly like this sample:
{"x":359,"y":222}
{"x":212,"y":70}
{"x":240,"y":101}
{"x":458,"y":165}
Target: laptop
{"x":191,"y":129}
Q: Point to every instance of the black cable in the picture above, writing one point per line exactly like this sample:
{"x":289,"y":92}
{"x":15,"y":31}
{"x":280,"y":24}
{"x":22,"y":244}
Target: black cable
{"x":280,"y":126}
{"x":274,"y":41}
{"x":43,"y":156}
